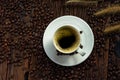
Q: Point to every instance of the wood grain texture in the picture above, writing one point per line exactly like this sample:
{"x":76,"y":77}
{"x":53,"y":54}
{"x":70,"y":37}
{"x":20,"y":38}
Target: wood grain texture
{"x":22,"y":24}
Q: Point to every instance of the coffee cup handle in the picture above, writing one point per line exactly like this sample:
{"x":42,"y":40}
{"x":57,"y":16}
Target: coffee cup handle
{"x":81,"y":52}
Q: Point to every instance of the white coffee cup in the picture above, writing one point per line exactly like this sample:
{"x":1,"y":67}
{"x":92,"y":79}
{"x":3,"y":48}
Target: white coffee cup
{"x":66,"y":39}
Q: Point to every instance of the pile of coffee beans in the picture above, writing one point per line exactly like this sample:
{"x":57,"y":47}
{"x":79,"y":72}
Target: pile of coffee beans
{"x":113,"y":60}
{"x":22,"y":24}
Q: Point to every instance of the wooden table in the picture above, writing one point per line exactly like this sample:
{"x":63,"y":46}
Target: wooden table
{"x":22,"y":24}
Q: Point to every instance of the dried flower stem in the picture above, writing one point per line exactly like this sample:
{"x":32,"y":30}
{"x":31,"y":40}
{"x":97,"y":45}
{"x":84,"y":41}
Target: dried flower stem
{"x":74,"y":1}
{"x":112,"y":29}
{"x":82,"y":2}
{"x":108,"y":10}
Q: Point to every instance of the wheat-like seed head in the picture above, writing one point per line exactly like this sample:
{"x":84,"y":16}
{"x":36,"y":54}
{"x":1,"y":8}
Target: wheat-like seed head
{"x":111,"y":29}
{"x":108,"y":10}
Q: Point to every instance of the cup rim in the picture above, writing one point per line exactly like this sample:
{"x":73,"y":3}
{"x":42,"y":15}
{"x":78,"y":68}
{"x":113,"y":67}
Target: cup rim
{"x":66,"y":52}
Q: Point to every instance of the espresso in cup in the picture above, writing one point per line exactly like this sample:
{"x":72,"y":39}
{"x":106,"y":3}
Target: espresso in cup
{"x":66,"y":39}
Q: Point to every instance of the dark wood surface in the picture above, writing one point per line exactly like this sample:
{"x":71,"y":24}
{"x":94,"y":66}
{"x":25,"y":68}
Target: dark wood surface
{"x":22,"y":24}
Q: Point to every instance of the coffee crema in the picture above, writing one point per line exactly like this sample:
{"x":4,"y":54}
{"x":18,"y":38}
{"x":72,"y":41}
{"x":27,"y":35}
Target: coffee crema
{"x":66,"y":39}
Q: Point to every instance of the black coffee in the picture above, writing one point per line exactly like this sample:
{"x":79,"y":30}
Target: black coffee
{"x":66,"y":42}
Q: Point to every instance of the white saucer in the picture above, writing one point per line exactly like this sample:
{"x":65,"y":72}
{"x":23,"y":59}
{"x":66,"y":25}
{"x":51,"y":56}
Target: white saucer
{"x":87,"y":40}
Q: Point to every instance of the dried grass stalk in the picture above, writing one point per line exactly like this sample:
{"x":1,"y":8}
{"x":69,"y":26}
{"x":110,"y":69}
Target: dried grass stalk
{"x":69,"y":1}
{"x":110,"y":29}
{"x":82,"y":2}
{"x":108,"y":10}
